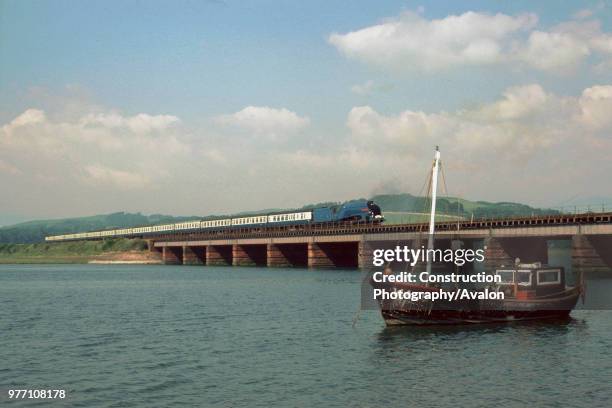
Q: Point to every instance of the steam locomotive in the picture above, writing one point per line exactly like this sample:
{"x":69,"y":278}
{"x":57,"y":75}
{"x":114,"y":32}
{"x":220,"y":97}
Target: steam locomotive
{"x":356,"y":210}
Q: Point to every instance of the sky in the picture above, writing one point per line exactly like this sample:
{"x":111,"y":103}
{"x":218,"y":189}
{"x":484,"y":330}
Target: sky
{"x":211,"y":107}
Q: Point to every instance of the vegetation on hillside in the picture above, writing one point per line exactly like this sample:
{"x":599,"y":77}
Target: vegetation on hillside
{"x":36,"y":231}
{"x":456,"y":206}
{"x":407,"y":208}
{"x":66,"y":252}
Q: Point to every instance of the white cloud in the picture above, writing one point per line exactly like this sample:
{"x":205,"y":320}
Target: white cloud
{"x":141,"y":123}
{"x":96,"y":162}
{"x":596,"y":107}
{"x":554,"y":51}
{"x":411,"y":41}
{"x":29,"y":117}
{"x":124,"y":180}
{"x":521,"y":123}
{"x":517,"y":102}
{"x":105,"y":148}
{"x":263,"y":120}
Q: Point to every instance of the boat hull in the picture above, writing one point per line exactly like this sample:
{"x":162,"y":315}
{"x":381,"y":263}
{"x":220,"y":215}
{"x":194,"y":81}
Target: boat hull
{"x":482,"y":312}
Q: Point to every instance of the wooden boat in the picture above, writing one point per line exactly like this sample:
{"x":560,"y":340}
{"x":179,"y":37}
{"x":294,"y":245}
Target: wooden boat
{"x":530,"y":291}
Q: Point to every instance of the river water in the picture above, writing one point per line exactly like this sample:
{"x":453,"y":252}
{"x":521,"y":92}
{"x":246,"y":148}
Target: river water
{"x":170,"y":336}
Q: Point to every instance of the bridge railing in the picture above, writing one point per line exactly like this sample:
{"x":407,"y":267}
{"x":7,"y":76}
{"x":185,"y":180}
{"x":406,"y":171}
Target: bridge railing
{"x":537,"y":213}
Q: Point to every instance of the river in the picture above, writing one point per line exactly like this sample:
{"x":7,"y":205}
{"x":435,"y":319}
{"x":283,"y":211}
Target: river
{"x":146,"y":336}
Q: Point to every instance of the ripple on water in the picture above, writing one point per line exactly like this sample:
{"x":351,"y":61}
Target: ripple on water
{"x":171,"y":336}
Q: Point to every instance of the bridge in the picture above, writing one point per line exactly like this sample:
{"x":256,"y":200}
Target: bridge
{"x":351,"y":244}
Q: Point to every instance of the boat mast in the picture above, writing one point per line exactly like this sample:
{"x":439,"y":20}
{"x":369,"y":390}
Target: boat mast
{"x":432,"y":217}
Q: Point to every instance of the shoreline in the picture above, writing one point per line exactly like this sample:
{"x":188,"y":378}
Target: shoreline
{"x":116,"y":251}
{"x":108,"y":258}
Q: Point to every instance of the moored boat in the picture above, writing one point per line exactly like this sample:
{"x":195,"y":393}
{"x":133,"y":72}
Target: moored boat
{"x":529,"y":291}
{"x":520,"y":292}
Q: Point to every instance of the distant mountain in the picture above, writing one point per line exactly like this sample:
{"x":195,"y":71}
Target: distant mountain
{"x":35,"y":231}
{"x":11,"y":219}
{"x":456,"y":206}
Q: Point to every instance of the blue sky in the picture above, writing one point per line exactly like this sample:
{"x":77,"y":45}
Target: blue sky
{"x":201,"y":61}
{"x":199,"y":58}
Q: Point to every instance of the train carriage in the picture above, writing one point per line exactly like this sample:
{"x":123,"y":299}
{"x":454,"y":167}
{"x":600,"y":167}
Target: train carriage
{"x":356,"y":210}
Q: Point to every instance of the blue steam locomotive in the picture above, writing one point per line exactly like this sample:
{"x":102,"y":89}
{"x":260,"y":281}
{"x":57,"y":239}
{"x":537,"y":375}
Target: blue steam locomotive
{"x":356,"y":210}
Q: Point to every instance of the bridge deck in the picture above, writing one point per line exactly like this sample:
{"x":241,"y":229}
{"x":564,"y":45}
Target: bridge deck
{"x":590,"y":223}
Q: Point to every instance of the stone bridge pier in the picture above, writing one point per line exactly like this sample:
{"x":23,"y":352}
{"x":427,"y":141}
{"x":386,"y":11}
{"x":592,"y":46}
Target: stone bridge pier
{"x":504,"y":251}
{"x":194,"y":255}
{"x":333,"y":254}
{"x":592,"y":254}
{"x":283,"y":255}
{"x":219,"y":255}
{"x":172,"y":255}
{"x":249,"y":255}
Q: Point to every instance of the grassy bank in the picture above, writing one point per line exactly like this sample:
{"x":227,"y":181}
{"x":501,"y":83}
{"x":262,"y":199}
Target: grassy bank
{"x":405,"y":217}
{"x":66,"y":252}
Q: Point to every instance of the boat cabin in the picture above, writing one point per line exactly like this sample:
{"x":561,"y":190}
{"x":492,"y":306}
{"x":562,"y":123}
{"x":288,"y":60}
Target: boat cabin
{"x":526,"y":281}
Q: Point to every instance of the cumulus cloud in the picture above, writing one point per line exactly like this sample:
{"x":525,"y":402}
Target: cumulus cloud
{"x":596,"y":107}
{"x":523,"y":121}
{"x":29,"y":117}
{"x":411,"y":41}
{"x":517,"y":102}
{"x":141,"y":123}
{"x":263,"y":120}
{"x":107,"y":148}
{"x":124,"y":180}
{"x":100,"y":161}
{"x":554,"y":50}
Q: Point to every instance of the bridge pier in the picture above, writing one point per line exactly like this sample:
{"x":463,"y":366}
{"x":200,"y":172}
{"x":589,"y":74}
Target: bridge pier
{"x":589,"y":255}
{"x":504,"y":251}
{"x":194,"y":255}
{"x":151,"y":246}
{"x":172,"y":255}
{"x":333,"y":254}
{"x":366,"y":254}
{"x":218,"y":255}
{"x":496,"y":254}
{"x":249,"y":255}
{"x":279,"y":255}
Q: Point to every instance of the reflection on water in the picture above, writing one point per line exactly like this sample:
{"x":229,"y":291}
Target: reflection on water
{"x":255,"y":337}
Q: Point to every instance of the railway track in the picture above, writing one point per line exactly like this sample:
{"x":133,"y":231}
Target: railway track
{"x":343,"y":228}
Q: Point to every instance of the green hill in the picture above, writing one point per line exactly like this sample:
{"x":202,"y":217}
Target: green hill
{"x":398,"y":208}
{"x":66,"y":252}
{"x":456,"y":206}
{"x":36,"y":231}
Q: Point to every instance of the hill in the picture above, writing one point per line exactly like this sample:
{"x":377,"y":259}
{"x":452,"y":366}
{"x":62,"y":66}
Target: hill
{"x":456,"y":206}
{"x":36,"y":231}
{"x":70,"y":252}
{"x":396,"y":207}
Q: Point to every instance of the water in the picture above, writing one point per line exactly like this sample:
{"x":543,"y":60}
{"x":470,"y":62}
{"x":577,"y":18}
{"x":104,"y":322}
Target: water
{"x":164,"y":336}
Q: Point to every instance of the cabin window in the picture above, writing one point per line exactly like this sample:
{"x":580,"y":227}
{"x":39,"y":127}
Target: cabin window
{"x":506,"y":276}
{"x":549,"y":277}
{"x":523,"y":278}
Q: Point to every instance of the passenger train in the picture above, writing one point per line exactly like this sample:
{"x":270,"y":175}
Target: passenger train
{"x":356,"y":210}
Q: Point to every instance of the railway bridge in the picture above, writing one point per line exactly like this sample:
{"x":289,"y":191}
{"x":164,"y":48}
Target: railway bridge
{"x":589,"y":236}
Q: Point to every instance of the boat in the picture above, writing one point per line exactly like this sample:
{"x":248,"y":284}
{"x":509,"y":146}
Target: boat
{"x":522,"y":291}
